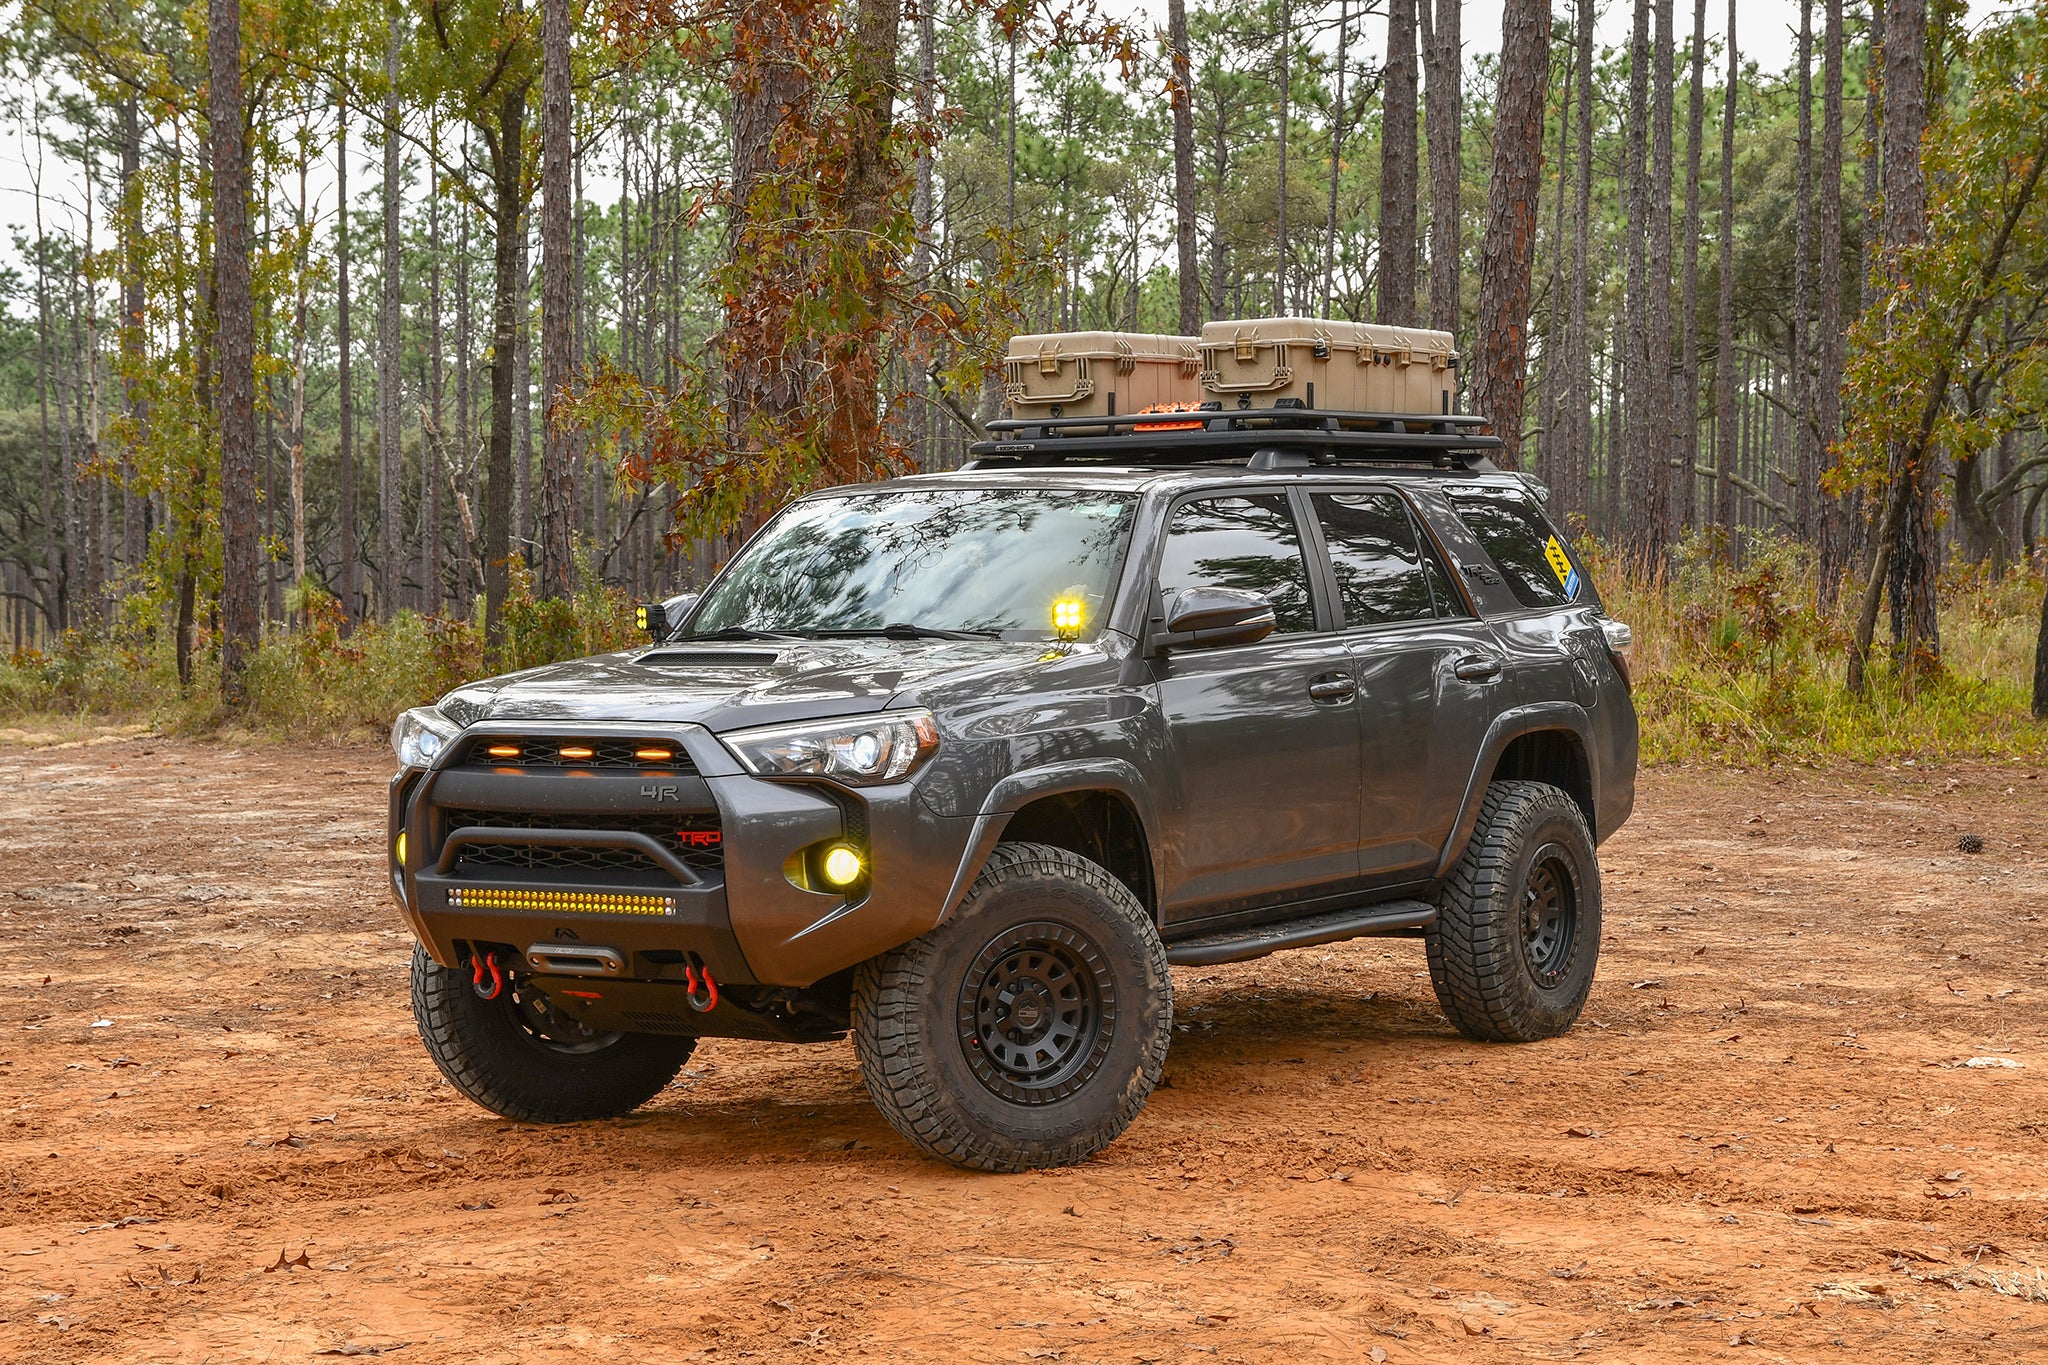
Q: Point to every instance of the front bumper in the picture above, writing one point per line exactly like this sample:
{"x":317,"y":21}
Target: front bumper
{"x":739,"y":914}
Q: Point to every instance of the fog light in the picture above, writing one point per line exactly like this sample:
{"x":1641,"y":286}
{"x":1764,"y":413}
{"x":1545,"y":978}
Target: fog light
{"x":400,"y":849}
{"x":842,"y":866}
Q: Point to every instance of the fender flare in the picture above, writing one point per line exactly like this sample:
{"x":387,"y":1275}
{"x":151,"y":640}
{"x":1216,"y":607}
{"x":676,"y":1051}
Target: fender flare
{"x":1019,"y":790}
{"x":1507,"y":727}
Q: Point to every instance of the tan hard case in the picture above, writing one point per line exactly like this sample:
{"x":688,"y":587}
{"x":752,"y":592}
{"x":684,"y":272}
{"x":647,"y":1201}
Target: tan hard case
{"x":1098,"y":374}
{"x":1334,"y":366}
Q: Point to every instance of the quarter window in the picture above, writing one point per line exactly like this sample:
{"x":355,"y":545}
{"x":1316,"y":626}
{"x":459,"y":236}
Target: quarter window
{"x":1247,"y":543}
{"x":1532,"y":557}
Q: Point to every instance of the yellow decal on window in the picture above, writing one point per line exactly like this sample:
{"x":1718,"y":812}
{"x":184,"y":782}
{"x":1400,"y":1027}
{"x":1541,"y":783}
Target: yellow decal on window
{"x":1561,"y":565}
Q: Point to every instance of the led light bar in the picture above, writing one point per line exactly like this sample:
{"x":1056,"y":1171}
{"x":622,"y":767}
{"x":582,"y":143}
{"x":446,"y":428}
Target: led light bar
{"x":558,"y":902}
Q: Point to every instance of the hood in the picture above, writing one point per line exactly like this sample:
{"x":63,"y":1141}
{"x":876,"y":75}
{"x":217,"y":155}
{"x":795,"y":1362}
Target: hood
{"x":729,"y":684}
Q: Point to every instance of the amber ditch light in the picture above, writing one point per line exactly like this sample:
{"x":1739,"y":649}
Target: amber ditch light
{"x":654,"y":755}
{"x":577,"y":751}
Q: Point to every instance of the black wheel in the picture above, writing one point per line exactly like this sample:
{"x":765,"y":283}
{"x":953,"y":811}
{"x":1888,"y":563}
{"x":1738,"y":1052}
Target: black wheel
{"x":1029,"y":1028}
{"x":518,"y":1056}
{"x":1518,"y":925}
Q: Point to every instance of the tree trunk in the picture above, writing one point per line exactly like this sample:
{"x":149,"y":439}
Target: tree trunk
{"x":134,"y":527}
{"x":505,"y":139}
{"x":1654,"y":495}
{"x":762,"y":372}
{"x":1578,"y":494}
{"x":1685,"y":397}
{"x":1638,"y":448}
{"x":235,"y":340}
{"x":1339,"y":112}
{"x":1916,"y":632}
{"x":298,"y":424}
{"x":924,"y":212}
{"x":390,"y":385}
{"x":433,"y":443}
{"x":853,"y":440}
{"x":465,"y":437}
{"x":1397,"y":170}
{"x":522,"y":392}
{"x":345,"y":456}
{"x":2041,"y":666}
{"x":1286,"y":89}
{"x":1183,"y":91}
{"x":1828,"y":321}
{"x":1724,"y":359}
{"x":557,"y":300}
{"x":1506,"y":253}
{"x":1553,"y":442}
{"x":1444,"y":57}
{"x":1805,"y":470}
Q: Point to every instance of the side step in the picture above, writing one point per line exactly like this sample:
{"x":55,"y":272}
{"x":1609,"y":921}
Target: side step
{"x":1241,"y":945}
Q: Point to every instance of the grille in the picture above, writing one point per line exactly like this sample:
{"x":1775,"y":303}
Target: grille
{"x":547,"y":752}
{"x":693,"y":838}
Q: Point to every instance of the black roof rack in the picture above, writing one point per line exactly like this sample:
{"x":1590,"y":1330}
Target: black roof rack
{"x":1259,"y":438}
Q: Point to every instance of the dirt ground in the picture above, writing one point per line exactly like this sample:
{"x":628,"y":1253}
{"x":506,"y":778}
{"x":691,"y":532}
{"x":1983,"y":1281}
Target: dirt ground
{"x":1803,"y":1118}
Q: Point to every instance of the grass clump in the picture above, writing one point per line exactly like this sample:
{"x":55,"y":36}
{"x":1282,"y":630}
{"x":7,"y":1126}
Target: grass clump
{"x":1738,"y":663}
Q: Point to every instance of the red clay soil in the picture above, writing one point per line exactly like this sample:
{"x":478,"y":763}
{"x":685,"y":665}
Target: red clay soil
{"x":1802,"y":1119}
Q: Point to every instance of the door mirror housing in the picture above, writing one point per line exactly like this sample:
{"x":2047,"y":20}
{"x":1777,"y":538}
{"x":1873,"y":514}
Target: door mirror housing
{"x":1210,"y":618}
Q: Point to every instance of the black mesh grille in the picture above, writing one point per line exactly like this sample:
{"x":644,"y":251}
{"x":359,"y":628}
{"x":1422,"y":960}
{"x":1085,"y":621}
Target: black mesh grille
{"x":693,"y":838}
{"x":547,"y":752}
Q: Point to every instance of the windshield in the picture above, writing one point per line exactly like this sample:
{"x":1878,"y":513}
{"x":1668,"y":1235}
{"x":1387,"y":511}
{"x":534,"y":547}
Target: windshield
{"x":992,"y":560}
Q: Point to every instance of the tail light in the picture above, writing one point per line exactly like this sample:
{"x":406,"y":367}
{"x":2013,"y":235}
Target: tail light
{"x":1621,"y":647}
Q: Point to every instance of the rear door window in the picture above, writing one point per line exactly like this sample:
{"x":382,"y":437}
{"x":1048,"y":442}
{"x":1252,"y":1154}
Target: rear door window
{"x":1512,"y":530}
{"x":1248,"y":543}
{"x":1376,"y":557}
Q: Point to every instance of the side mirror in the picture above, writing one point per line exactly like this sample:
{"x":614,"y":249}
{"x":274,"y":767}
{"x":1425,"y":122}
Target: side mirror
{"x":659,"y":619}
{"x":1209,"y":618}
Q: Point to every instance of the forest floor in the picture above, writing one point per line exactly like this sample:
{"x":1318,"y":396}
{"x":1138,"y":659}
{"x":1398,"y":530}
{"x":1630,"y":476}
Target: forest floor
{"x":1803,"y":1118}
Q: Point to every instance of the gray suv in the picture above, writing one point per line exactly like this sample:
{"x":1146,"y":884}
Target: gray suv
{"x":961,"y":763}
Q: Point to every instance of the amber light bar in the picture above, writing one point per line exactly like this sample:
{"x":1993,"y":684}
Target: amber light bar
{"x":558,"y":902}
{"x":504,"y":751}
{"x":577,"y":751}
{"x":654,"y":755}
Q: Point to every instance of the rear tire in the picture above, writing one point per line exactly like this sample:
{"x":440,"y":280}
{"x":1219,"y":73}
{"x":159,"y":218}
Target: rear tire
{"x":1517,"y":935}
{"x":1028,"y":1029}
{"x":515,"y":1057}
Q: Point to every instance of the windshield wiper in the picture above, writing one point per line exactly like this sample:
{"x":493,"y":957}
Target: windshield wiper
{"x":740,"y":633}
{"x":903,"y":630}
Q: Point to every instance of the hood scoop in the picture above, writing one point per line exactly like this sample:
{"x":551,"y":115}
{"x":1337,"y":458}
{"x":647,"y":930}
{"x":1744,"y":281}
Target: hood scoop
{"x":712,"y":658}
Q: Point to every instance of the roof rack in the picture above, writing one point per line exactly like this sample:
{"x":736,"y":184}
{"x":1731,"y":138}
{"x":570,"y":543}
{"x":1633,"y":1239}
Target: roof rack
{"x":1261,"y":438}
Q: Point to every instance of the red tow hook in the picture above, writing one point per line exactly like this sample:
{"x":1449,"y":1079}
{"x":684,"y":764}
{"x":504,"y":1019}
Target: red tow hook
{"x":477,"y":966}
{"x":705,"y":1003}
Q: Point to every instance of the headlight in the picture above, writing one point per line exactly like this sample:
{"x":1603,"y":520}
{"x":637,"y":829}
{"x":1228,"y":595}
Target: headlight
{"x":857,"y":751}
{"x":419,"y":736}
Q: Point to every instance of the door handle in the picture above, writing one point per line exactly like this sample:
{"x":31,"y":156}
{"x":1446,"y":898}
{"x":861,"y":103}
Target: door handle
{"x":1477,"y":668}
{"x":1332,"y":687}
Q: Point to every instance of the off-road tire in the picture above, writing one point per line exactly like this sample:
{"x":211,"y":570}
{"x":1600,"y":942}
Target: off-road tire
{"x":921,"y":1011}
{"x":1498,"y":979}
{"x":485,"y":1053}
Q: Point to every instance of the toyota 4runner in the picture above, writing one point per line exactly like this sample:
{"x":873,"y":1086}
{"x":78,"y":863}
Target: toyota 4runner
{"x":962,"y":763}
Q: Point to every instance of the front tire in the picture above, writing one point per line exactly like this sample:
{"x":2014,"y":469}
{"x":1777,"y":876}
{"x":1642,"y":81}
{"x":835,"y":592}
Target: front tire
{"x":515,"y":1056}
{"x":1028,"y":1029}
{"x":1517,"y":934}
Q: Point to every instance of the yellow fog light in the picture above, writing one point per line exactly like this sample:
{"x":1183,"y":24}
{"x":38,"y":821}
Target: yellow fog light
{"x":1066,"y":617}
{"x":842,"y":866}
{"x":399,"y":849}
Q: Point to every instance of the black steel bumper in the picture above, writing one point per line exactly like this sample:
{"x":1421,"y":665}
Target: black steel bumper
{"x":744,"y":916}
